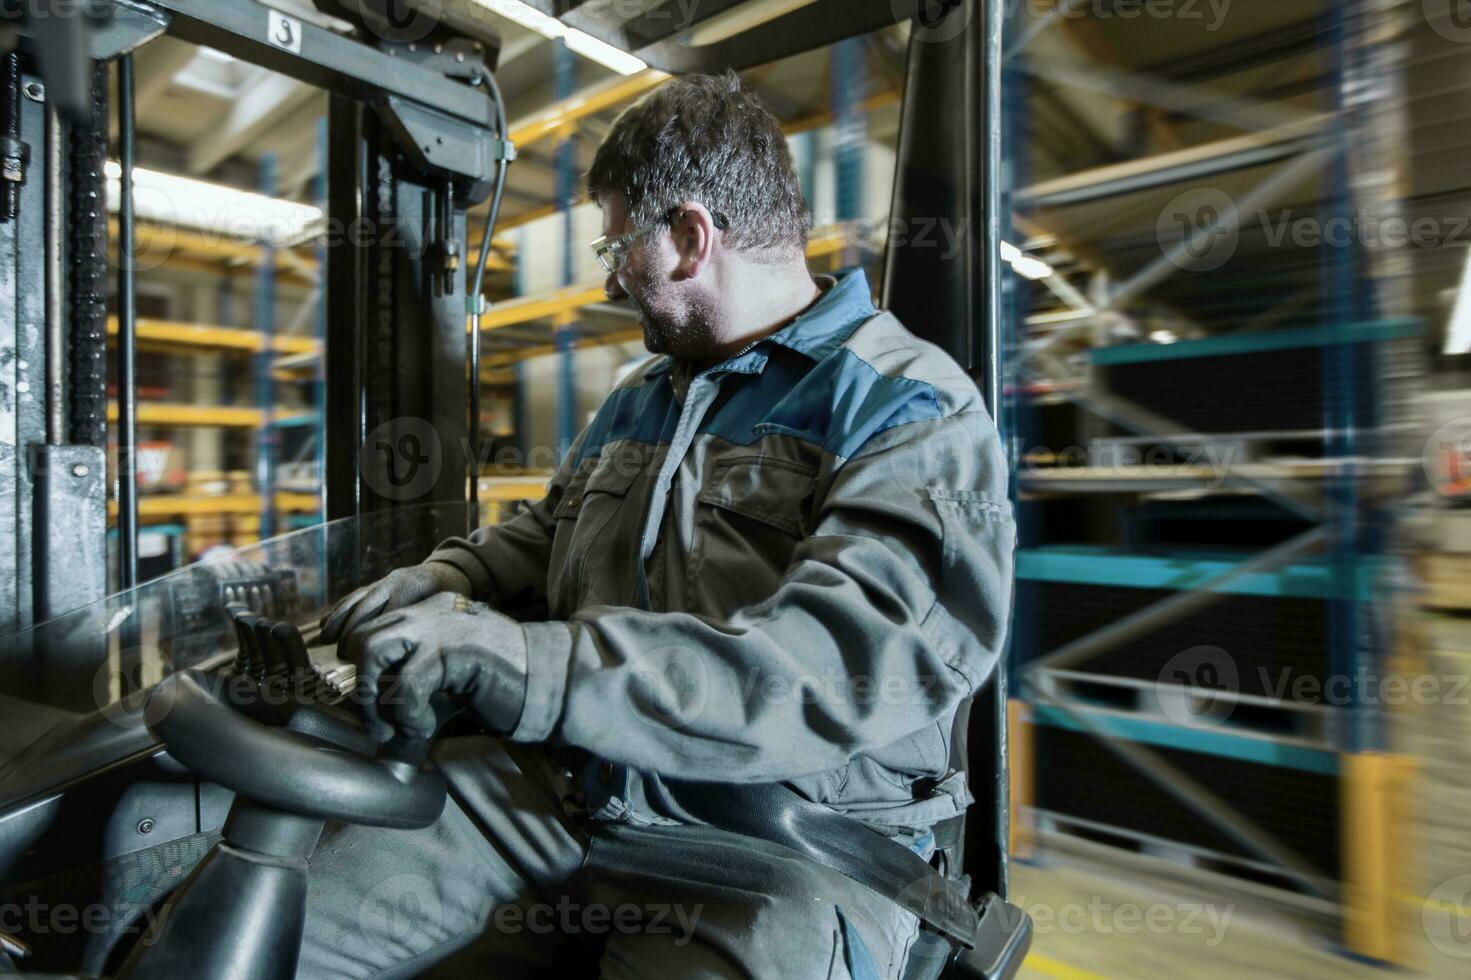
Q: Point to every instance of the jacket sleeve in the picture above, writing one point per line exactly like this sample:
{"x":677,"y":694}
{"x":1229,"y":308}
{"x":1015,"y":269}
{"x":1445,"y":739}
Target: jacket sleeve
{"x":891,"y":611}
{"x":507,"y":563}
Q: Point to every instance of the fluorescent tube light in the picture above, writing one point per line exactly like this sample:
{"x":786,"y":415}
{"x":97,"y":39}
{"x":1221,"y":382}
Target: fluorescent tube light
{"x":1025,"y":265}
{"x":579,"y":41}
{"x":525,"y":15}
{"x":1458,"y":332}
{"x":603,"y":53}
{"x":228,"y":212}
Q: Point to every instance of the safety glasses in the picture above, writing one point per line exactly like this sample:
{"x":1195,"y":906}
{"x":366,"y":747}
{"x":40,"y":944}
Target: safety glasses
{"x":612,"y":251}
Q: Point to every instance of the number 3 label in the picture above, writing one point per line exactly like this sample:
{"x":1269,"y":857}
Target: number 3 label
{"x":283,"y":31}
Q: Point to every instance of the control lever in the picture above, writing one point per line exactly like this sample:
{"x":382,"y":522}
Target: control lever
{"x":254,"y":633}
{"x":250,"y":659}
{"x":261,"y":626}
{"x":289,"y":648}
{"x":275,"y":653}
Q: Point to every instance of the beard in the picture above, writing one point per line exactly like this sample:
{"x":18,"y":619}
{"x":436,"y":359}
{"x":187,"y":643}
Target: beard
{"x":687,"y":338}
{"x":681,"y":326}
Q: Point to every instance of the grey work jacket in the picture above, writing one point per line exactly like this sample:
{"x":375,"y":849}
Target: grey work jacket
{"x":789,"y":567}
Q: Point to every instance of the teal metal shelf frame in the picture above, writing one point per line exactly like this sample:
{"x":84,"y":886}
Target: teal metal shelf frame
{"x":1369,"y":332}
{"x":1096,"y":565}
{"x":1206,"y":741}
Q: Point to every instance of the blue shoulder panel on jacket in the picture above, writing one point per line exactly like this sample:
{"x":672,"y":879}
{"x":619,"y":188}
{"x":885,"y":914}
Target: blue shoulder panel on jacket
{"x":642,"y":413}
{"x":839,"y":404}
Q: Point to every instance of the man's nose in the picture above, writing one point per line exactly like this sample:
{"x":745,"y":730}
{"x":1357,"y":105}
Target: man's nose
{"x":614,"y":288}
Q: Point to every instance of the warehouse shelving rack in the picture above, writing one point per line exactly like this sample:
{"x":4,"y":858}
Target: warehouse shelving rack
{"x":1169,"y":743}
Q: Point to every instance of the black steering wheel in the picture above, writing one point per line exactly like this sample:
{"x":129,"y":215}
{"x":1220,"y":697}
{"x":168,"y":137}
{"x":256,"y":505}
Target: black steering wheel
{"x":305,"y":769}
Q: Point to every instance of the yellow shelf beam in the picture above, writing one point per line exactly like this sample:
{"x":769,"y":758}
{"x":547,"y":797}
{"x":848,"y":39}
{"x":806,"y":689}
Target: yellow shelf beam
{"x":192,"y":506}
{"x":560,"y":117}
{"x":824,"y":243}
{"x":300,"y":366}
{"x":527,"y":309}
{"x":203,"y":416}
{"x":505,"y":489}
{"x":209,"y":337}
{"x":217,"y":416}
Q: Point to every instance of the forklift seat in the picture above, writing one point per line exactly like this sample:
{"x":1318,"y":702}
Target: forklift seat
{"x":963,"y":934}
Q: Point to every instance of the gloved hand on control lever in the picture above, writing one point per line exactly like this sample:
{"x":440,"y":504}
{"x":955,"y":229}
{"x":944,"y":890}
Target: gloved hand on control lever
{"x":396,"y":590}
{"x":445,"y":644}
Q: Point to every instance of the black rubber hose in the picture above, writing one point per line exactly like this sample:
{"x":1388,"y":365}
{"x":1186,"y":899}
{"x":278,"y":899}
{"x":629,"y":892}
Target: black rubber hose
{"x":127,"y":347}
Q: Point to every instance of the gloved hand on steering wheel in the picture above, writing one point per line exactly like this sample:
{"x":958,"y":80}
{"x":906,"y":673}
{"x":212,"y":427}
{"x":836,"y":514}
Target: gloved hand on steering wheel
{"x":447,"y":643}
{"x":399,"y":588}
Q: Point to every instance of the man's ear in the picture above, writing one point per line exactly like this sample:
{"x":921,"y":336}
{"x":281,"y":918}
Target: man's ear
{"x":695,"y":237}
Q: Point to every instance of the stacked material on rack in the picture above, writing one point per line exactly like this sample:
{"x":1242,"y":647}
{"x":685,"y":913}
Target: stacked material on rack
{"x":1445,"y":577}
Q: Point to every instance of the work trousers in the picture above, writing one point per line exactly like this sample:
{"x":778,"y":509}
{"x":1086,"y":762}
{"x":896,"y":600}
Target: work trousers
{"x":513,"y":882}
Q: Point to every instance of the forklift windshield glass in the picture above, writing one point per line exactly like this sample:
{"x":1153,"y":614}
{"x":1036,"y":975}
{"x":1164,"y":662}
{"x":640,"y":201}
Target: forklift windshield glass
{"x":90,"y":669}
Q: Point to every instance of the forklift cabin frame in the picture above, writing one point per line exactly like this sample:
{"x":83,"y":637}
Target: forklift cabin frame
{"x":413,"y":141}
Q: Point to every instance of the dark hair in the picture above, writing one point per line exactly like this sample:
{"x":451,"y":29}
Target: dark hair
{"x":706,"y":138}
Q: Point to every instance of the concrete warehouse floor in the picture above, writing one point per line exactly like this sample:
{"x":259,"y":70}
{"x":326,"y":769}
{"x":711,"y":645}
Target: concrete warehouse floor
{"x":1091,"y":925}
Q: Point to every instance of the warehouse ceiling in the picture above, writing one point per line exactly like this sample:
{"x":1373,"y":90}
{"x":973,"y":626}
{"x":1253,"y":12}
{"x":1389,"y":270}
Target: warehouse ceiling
{"x":1115,"y":98}
{"x":202,"y":113}
{"x":1099,"y":88}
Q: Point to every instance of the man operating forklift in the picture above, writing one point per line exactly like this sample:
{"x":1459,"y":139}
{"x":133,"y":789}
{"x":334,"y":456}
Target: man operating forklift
{"x":780,"y":555}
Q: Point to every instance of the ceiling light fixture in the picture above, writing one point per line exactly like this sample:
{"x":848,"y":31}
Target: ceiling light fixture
{"x":230,"y":213}
{"x":1025,"y":265}
{"x":579,"y":41}
{"x":1458,"y":331}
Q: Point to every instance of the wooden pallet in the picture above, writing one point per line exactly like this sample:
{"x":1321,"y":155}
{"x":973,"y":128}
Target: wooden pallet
{"x":1308,"y":725}
{"x":1054,"y":829}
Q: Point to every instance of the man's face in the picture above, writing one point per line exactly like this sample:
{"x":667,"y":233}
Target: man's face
{"x":674,"y":309}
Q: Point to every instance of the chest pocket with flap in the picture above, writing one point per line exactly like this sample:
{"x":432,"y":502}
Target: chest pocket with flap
{"x":593,"y":534}
{"x":749,"y":518}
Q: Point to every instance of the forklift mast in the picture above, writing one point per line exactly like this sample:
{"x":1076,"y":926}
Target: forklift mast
{"x":415,"y":141}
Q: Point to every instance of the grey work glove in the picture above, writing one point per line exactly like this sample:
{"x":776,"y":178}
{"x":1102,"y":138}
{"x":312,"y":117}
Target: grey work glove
{"x":399,"y":588}
{"x":446,"y":643}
